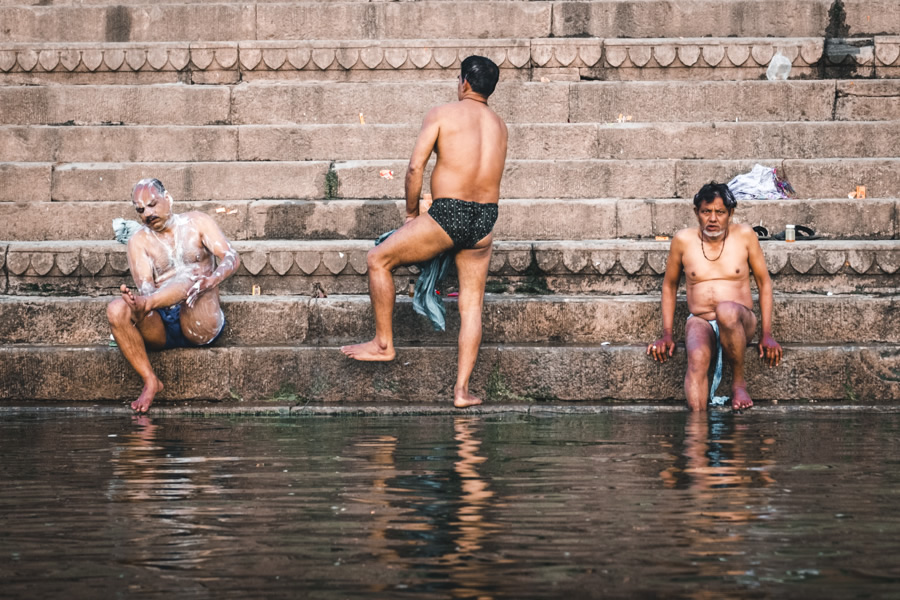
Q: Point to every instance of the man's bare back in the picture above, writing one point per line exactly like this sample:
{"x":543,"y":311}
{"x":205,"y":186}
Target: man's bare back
{"x":470,"y":141}
{"x":471,"y":152}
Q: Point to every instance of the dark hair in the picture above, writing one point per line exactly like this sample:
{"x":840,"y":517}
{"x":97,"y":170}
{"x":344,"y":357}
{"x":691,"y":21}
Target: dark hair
{"x":156,"y":184}
{"x":481,"y":73}
{"x":713,"y":190}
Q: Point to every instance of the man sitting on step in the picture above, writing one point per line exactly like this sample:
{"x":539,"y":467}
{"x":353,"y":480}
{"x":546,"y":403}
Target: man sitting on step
{"x":470,"y":142}
{"x":173,"y":262}
{"x":716,"y":258}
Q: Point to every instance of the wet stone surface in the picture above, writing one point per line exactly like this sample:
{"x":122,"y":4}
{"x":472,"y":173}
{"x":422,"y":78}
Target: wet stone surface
{"x":659,"y":504}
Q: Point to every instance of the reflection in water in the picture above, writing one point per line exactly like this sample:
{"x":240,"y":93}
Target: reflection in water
{"x":723,"y":474}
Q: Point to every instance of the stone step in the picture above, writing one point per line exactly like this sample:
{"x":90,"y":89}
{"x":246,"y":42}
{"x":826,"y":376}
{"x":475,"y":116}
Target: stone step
{"x":520,"y":219}
{"x":336,"y":320}
{"x":306,"y":103}
{"x":534,"y":141}
{"x":561,"y":179}
{"x":196,"y":21}
{"x":565,"y":267}
{"x":527,"y":59}
{"x":504,"y":373}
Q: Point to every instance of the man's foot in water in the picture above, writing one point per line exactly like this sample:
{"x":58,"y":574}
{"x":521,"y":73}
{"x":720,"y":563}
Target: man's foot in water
{"x":370,"y":352}
{"x":151,"y":388}
{"x":463,"y":399}
{"x":740,"y":399}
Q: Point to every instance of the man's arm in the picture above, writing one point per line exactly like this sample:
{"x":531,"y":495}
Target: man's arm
{"x":415,"y":173}
{"x":768,"y":347}
{"x":173,"y":291}
{"x":664,"y":347}
{"x":215,"y":241}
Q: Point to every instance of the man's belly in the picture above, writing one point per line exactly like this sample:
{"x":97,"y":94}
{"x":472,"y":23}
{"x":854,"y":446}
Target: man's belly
{"x":703,"y":297}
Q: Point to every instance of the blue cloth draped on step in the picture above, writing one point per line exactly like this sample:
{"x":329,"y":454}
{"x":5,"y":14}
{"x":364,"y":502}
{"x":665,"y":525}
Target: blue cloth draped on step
{"x":717,"y":376}
{"x":426,"y":301}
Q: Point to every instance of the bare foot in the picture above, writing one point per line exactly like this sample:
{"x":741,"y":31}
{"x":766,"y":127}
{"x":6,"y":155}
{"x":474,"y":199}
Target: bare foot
{"x":138,"y":304}
{"x":740,"y":399}
{"x":463,"y":399}
{"x":151,"y":388}
{"x":369,"y":351}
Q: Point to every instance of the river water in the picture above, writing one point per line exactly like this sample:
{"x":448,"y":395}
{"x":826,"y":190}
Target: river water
{"x":668,"y":505}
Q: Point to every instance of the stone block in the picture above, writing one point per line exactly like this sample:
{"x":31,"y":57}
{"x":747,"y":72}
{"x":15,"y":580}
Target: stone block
{"x":671,"y":101}
{"x":705,"y":18}
{"x":114,"y":105}
{"x":417,"y":20}
{"x":326,"y":142}
{"x":385,"y":103}
{"x":149,"y":23}
{"x":25,"y":182}
{"x":191,"y":181}
{"x":578,"y":373}
{"x":868,"y":101}
{"x":333,"y":219}
{"x":834,"y":178}
{"x":872,"y":17}
{"x":112,"y":144}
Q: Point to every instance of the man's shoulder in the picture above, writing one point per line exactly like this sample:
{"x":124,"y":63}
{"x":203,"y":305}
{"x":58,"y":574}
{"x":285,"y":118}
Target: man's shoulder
{"x":685,"y":235}
{"x":139,"y":239}
{"x":743,"y":231}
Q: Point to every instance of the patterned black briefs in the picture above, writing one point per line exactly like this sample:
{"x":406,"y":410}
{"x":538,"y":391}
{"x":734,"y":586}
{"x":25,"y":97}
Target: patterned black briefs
{"x":467,"y":223}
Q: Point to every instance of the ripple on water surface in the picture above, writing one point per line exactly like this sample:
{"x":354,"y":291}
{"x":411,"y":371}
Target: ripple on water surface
{"x":612,"y":505}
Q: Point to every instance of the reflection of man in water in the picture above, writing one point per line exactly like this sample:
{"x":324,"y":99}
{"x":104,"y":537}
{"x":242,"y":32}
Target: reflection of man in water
{"x":470,"y":142}
{"x":716,"y":258}
{"x":173,"y":262}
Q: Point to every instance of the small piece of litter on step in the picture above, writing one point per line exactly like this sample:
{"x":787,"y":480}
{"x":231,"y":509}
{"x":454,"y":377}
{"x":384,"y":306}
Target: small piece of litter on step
{"x":829,"y":294}
{"x":604,"y":343}
{"x":255,"y":291}
{"x":386,"y":173}
{"x":221,"y":209}
{"x":453,"y":295}
{"x":232,"y":212}
{"x":362,"y":119}
{"x":662,"y":238}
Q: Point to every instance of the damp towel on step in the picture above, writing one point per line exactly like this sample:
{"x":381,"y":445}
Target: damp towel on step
{"x":426,"y":301}
{"x":717,"y":376}
{"x":124,"y":229}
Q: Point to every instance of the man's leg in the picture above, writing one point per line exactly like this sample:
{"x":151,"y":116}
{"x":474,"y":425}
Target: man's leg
{"x":417,"y":241}
{"x":133,"y":339}
{"x":201,"y":323}
{"x":472,"y":269}
{"x":737,"y":323}
{"x":700,"y":343}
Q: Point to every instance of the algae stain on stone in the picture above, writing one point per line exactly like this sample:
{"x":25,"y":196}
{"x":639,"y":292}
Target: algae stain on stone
{"x":331,"y":182}
{"x":497,"y":389}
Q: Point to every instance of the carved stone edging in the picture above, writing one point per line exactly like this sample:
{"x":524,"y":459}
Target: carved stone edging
{"x":36,"y":259}
{"x":422,"y":54}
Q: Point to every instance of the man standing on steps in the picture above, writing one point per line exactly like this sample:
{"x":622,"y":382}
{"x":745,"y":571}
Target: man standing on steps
{"x":173,"y":262}
{"x":470,"y":142}
{"x":716,"y":258}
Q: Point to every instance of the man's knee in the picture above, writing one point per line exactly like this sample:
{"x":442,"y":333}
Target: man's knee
{"x":377,"y":259}
{"x":730,"y":314}
{"x":698,"y":360}
{"x":118,"y":312}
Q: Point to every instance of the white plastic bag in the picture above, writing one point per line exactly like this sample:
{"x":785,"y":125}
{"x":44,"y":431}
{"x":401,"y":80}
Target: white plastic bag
{"x":779,"y":67}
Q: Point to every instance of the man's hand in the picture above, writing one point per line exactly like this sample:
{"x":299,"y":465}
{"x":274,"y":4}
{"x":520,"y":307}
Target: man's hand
{"x":201,"y":285}
{"x":662,"y":348}
{"x":770,"y":351}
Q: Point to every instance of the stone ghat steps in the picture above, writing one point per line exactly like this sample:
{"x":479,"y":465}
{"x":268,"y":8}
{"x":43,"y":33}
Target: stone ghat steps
{"x":525,"y":59}
{"x":532,"y":141}
{"x":384,"y":179}
{"x":554,"y":320}
{"x":306,"y":103}
{"x":198,"y":21}
{"x":520,"y":218}
{"x":504,"y":373}
{"x":566,"y":267}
